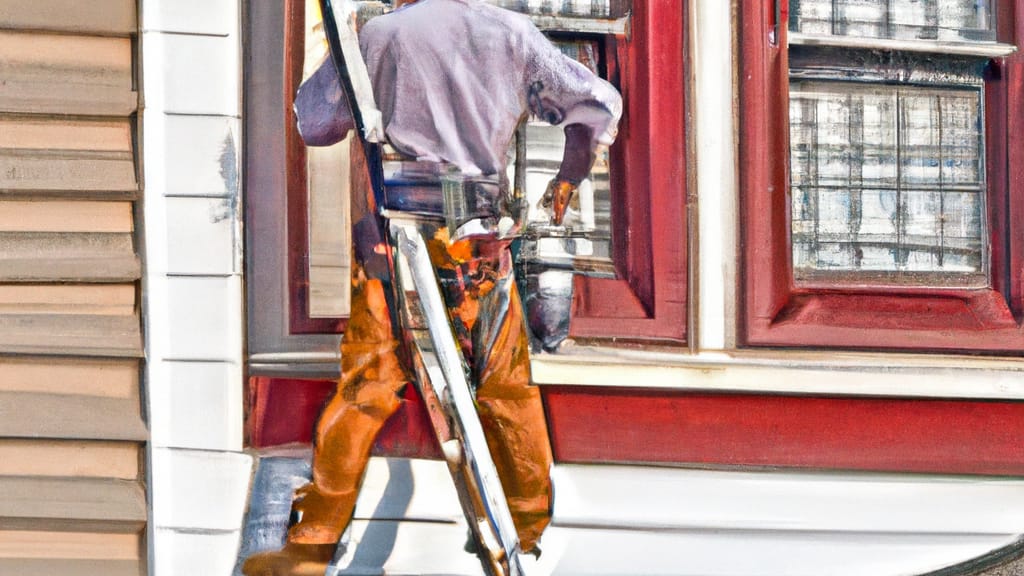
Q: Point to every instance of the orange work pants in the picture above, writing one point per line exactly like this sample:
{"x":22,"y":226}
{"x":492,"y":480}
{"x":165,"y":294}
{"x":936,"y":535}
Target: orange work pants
{"x":479,"y":289}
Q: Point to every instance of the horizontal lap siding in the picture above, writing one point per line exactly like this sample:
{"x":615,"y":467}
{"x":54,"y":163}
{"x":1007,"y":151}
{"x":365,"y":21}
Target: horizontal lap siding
{"x":72,"y":433}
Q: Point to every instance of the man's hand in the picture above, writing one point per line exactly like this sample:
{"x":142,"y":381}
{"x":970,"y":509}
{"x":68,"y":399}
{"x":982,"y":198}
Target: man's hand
{"x":557,"y":197}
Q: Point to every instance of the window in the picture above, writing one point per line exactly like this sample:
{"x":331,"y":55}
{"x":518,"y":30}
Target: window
{"x":878,"y":201}
{"x":646,"y":298}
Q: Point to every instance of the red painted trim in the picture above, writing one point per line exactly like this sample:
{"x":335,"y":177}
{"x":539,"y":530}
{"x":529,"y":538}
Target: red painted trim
{"x":777,"y":313}
{"x":1012,"y":73}
{"x":871,"y":434}
{"x":298,"y":197}
{"x":648,"y":302}
{"x":285,"y":410}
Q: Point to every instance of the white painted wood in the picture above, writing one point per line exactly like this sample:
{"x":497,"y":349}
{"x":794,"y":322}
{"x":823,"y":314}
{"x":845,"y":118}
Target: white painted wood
{"x":197,"y":405}
{"x":617,"y":520}
{"x":201,"y":155}
{"x":204,"y":318}
{"x":678,"y":499}
{"x":716,"y":179}
{"x":982,"y":49}
{"x":215,"y":17}
{"x":200,"y":73}
{"x":407,"y":548}
{"x":193,"y":287}
{"x":202,"y":236}
{"x":848,"y":374}
{"x":707,"y":500}
{"x":580,"y":551}
{"x":192,"y":554}
{"x":199,"y":490}
{"x":420,"y":490}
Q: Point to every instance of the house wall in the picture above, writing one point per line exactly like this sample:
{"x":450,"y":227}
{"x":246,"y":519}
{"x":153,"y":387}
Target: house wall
{"x":72,"y":435}
{"x":191,"y":51}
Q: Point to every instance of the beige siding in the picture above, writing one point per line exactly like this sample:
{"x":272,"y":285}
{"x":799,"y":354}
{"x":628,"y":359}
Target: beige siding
{"x":70,"y":299}
{"x":72,"y":458}
{"x":72,"y":431}
{"x":66,"y":157}
{"x":115,"y":17}
{"x":64,"y":74}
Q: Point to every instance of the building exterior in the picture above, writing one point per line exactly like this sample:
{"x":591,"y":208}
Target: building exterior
{"x":172,"y":294}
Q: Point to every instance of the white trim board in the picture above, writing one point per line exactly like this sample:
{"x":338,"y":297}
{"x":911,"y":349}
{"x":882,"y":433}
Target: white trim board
{"x":648,"y":520}
{"x":768,"y":372}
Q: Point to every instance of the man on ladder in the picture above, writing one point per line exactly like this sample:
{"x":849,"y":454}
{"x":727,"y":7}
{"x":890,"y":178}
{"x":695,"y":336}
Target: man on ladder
{"x":453,"y":79}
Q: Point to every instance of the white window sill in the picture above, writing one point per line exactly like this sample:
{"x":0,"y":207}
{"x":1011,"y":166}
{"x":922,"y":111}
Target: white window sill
{"x":982,"y":49}
{"x":785,"y":372}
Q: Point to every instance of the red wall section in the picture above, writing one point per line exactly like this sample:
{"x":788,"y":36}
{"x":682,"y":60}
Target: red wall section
{"x":284,"y":411}
{"x":900,"y":435}
{"x":599,"y":425}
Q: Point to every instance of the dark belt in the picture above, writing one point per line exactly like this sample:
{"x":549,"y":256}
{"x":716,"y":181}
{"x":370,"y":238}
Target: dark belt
{"x":419,"y":187}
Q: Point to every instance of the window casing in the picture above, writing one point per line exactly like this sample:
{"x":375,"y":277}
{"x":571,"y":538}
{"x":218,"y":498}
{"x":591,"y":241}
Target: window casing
{"x":853,"y":244}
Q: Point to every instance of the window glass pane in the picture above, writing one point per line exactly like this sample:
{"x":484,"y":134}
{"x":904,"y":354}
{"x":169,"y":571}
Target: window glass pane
{"x":959,"y":20}
{"x":887,"y":183}
{"x":327,"y":184}
{"x":585,"y":240}
{"x":577,"y":8}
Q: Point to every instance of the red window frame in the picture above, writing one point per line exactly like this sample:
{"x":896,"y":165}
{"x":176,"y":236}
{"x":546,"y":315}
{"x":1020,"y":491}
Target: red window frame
{"x":776,"y":312}
{"x":299,"y":319}
{"x":647,"y":301}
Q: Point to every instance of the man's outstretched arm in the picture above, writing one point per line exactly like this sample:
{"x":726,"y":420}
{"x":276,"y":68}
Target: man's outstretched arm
{"x":565,"y":93}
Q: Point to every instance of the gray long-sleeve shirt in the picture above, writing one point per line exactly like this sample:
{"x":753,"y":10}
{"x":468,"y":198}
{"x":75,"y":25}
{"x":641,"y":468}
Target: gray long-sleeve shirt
{"x":453,"y":78}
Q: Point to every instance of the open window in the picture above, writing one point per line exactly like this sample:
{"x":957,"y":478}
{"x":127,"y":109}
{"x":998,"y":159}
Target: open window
{"x":880,"y":208}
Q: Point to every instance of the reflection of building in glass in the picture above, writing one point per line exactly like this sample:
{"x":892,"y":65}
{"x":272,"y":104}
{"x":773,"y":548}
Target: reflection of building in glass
{"x":576,"y":8}
{"x":886,"y":178}
{"x":584,"y":240}
{"x":887,"y":161}
{"x":902,"y":19}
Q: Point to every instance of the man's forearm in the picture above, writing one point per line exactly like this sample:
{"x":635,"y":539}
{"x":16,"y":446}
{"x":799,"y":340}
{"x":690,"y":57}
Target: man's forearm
{"x":578,"y":157}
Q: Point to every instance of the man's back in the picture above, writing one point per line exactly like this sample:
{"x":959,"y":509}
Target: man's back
{"x":449,"y":77}
{"x":453,"y":78}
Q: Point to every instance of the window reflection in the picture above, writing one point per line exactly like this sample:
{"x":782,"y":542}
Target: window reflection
{"x":887,"y":179}
{"x":951,"y":20}
{"x":327,"y":185}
